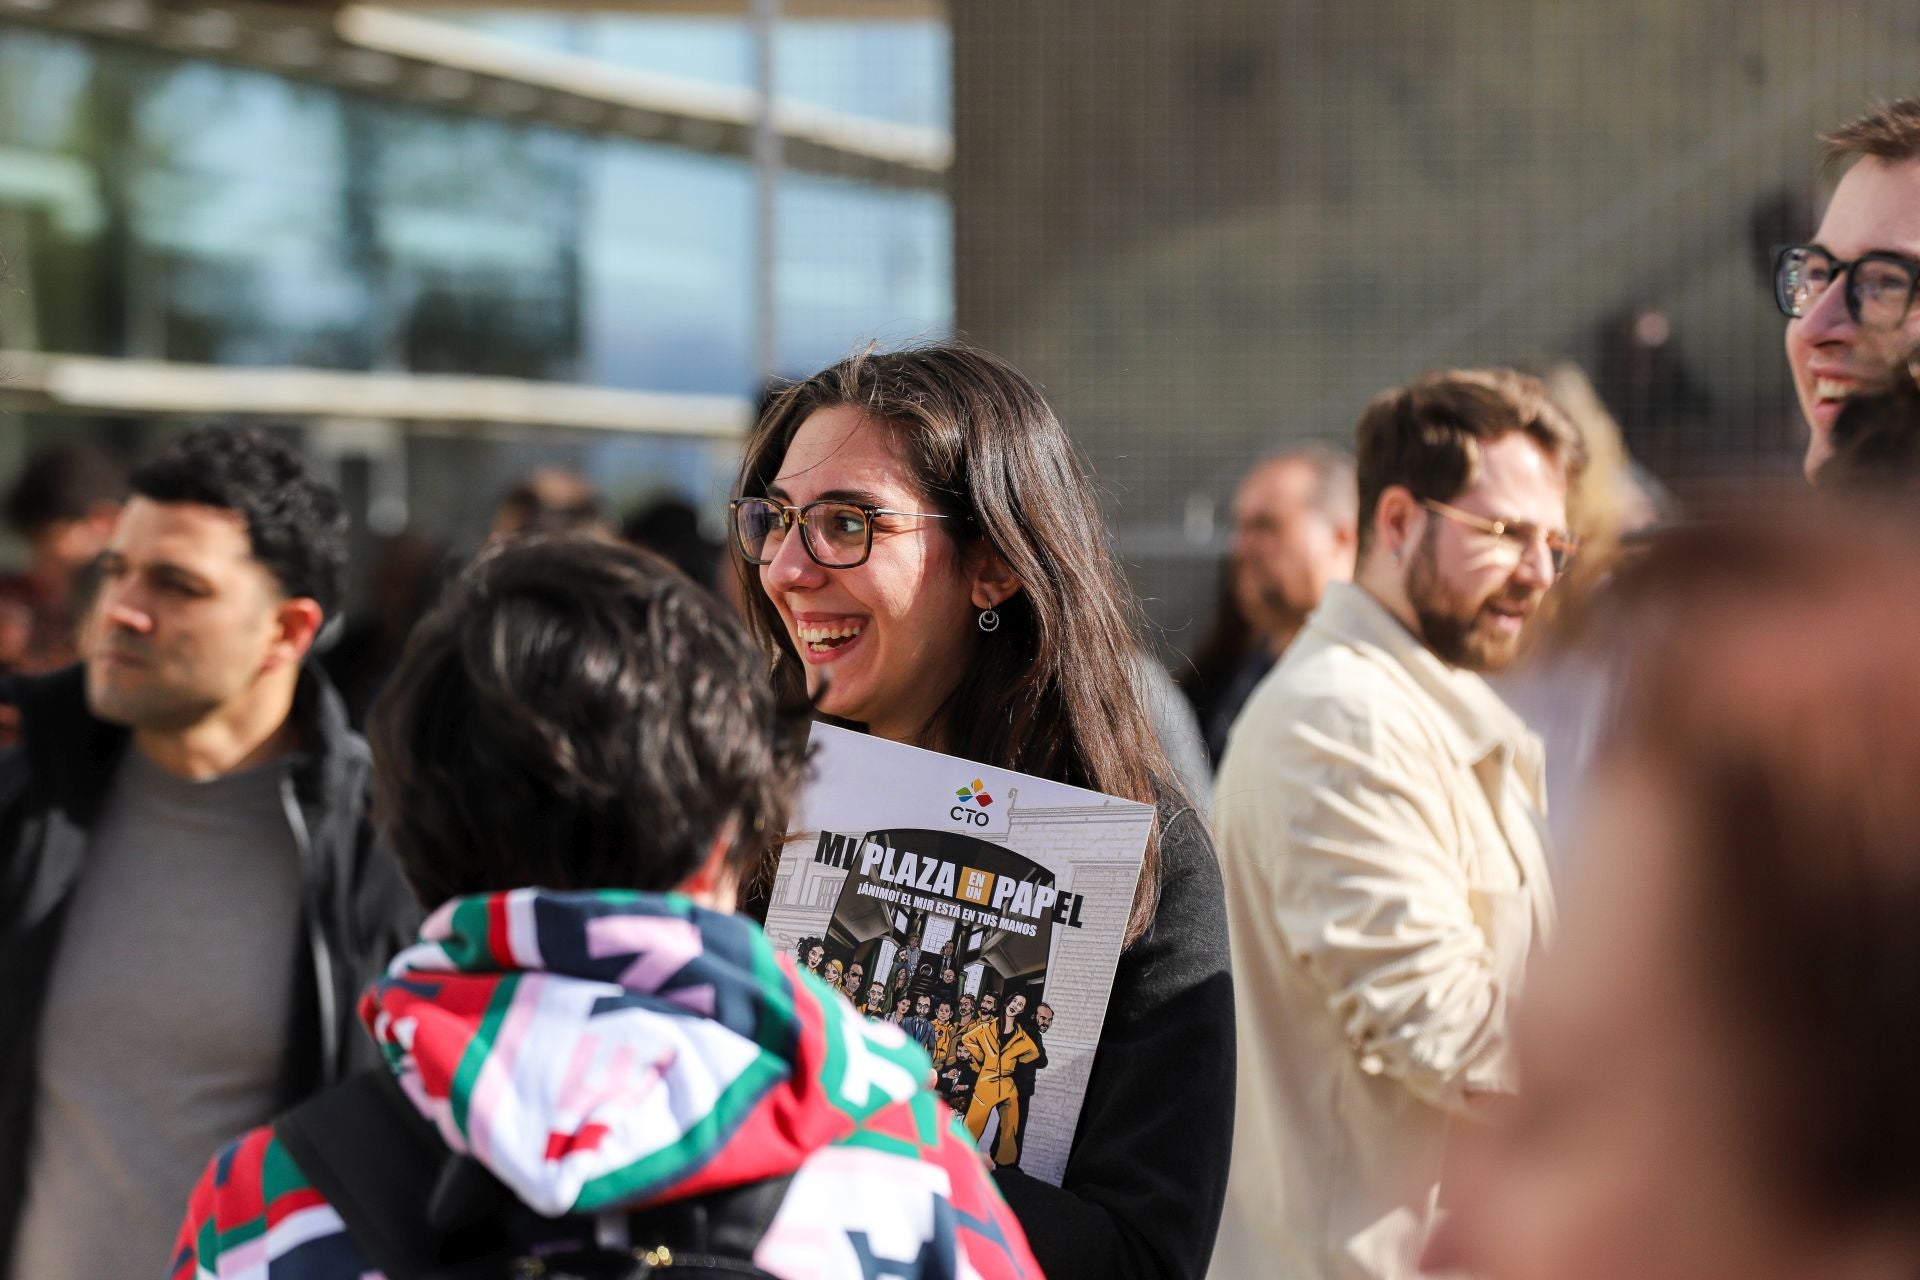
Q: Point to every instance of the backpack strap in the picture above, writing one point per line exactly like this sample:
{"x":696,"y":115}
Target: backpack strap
{"x":418,"y":1211}
{"x":718,"y":1231}
{"x":382,"y":1166}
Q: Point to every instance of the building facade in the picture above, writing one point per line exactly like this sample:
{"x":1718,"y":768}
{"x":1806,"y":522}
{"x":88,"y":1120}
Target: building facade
{"x":432,"y":207}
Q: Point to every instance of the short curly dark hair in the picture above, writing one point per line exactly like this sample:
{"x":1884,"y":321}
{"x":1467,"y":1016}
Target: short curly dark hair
{"x":296,"y":525}
{"x":577,"y":714}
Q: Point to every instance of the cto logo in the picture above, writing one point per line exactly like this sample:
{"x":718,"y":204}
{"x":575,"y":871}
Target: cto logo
{"x":974,"y":795}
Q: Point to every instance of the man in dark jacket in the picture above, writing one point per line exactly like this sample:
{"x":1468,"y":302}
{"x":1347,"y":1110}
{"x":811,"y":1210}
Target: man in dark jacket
{"x":1024,"y":1073}
{"x":185,"y":858}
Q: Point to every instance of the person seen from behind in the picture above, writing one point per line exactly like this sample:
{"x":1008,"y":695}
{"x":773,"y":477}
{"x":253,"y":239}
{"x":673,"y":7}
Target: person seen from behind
{"x":591,"y":1060}
{"x":550,"y":500}
{"x":1718,"y":1055}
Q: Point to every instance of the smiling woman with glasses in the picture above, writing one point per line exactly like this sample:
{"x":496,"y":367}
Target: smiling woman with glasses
{"x":952,"y":588}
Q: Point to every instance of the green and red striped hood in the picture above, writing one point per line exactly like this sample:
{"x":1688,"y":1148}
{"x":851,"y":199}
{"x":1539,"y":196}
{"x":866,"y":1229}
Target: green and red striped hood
{"x":601,"y":1052}
{"x":618,"y":1049}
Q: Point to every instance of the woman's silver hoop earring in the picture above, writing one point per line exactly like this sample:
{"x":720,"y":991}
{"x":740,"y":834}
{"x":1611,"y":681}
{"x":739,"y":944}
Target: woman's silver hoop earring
{"x":989,"y":620}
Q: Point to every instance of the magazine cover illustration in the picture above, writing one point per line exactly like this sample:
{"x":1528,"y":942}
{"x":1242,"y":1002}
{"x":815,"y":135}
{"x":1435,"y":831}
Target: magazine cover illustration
{"x":978,"y":911}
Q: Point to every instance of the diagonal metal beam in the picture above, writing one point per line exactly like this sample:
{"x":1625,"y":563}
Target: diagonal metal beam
{"x":409,"y":58}
{"x":804,"y":10}
{"x":42,"y":382}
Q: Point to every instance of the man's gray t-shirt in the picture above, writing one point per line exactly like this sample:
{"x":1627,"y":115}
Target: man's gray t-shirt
{"x":166,"y":1016}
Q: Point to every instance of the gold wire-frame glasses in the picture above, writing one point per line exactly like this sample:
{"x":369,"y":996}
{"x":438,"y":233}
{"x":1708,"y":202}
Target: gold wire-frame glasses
{"x":1518,"y":535}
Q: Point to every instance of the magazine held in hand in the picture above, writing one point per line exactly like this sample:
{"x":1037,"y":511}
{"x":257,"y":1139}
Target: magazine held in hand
{"x":978,"y":911}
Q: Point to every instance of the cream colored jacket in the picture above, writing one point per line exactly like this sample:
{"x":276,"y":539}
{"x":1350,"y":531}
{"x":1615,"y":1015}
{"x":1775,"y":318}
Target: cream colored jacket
{"x":1381,"y":830}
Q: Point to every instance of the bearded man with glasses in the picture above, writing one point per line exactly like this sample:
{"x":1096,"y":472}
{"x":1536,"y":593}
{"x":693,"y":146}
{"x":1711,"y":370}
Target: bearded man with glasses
{"x":1380,"y":814}
{"x":1843,"y":341}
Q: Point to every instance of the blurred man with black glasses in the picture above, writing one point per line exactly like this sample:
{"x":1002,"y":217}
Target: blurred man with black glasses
{"x":1847,"y":340}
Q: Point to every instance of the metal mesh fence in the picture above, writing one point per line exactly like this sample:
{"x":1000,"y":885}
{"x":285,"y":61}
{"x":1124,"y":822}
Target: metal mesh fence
{"x":1212,"y":227}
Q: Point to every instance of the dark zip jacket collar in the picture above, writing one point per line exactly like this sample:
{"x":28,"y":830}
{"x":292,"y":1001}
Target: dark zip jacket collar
{"x":355,"y":909}
{"x":73,"y":753}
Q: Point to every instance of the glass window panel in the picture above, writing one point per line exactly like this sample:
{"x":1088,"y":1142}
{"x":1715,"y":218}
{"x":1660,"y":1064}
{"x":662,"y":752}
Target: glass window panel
{"x":896,"y":71}
{"x":241,"y":248}
{"x":858,"y":262}
{"x":43,"y":89}
{"x":939,"y":930}
{"x":270,"y":220}
{"x":883,"y":962}
{"x":667,"y":270}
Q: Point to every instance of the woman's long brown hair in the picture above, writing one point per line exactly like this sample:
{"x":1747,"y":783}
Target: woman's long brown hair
{"x":1055,"y":692}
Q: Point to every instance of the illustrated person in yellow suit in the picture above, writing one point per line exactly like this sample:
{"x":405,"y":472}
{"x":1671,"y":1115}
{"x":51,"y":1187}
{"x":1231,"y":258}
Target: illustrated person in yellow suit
{"x":999,"y":1046}
{"x":945,"y":1034}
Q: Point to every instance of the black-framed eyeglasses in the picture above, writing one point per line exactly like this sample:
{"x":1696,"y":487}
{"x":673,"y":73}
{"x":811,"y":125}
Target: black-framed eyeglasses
{"x":1516,"y":536}
{"x":1880,"y":285}
{"x":836,"y":535}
